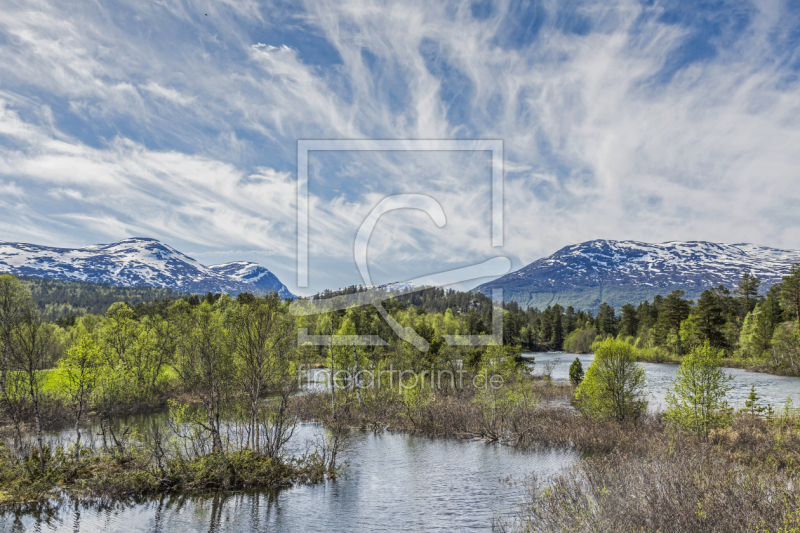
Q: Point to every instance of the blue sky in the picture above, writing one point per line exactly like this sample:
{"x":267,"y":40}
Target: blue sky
{"x":645,"y":120}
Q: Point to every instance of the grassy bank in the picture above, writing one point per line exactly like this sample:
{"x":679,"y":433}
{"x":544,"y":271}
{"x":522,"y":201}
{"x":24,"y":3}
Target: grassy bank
{"x":133,"y":473}
{"x":166,"y":455}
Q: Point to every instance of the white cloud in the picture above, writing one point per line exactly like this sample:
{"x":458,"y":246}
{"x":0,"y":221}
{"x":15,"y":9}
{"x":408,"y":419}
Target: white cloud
{"x":168,"y":94}
{"x":189,"y":124}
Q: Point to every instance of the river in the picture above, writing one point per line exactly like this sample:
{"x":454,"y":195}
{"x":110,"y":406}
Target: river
{"x":772,"y":389}
{"x":394,"y":482}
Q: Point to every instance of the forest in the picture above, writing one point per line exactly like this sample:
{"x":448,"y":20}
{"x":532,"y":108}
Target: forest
{"x":752,"y":328}
{"x":60,"y":300}
{"x":226,"y":385}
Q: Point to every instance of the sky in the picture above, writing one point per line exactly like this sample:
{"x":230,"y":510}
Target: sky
{"x":649,"y":120}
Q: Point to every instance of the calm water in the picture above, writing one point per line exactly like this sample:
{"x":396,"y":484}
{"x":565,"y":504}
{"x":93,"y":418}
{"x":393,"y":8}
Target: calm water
{"x":394,"y":482}
{"x":771,"y":389}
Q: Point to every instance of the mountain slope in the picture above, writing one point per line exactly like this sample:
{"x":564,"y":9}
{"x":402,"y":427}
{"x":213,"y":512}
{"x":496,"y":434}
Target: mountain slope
{"x":58,"y":299}
{"x":136,"y":262}
{"x":587,"y":274}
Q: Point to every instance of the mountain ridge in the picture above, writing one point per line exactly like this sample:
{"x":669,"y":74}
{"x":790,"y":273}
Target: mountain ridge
{"x":137,"y":261}
{"x":586,"y":274}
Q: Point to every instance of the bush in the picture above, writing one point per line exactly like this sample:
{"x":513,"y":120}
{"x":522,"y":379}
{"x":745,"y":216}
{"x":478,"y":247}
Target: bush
{"x":614,"y":384}
{"x":576,"y":372}
{"x":697,"y":398}
{"x":580,"y":341}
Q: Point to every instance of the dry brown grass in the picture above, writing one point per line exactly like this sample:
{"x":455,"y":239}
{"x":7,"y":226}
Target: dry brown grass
{"x":634,"y":476}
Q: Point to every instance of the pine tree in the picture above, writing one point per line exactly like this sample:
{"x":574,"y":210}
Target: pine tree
{"x":790,"y":291}
{"x":557,"y":340}
{"x":710,"y":319}
{"x":751,"y":405}
{"x":747,"y":291}
{"x":606,"y":322}
{"x":629,"y":324}
{"x":672,"y":312}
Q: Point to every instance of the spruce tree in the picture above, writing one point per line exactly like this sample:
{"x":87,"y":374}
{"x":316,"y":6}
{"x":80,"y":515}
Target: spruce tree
{"x":748,"y":292}
{"x":576,"y":372}
{"x":790,"y":291}
{"x":751,"y":405}
{"x":710,"y":318}
{"x":672,"y":312}
{"x":629,"y":324}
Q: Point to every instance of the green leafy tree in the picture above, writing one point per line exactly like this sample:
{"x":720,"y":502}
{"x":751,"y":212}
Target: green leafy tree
{"x":786,"y":342}
{"x":205,"y":366}
{"x":34,"y":352}
{"x":580,"y":341}
{"x":14,"y":301}
{"x":756,"y":334}
{"x":690,"y":335}
{"x":79,"y":372}
{"x":262,"y":332}
{"x":696,"y":402}
{"x":614,"y":383}
{"x":576,"y":372}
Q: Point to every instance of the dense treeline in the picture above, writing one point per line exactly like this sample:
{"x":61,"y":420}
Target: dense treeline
{"x":755,"y":329}
{"x":213,"y":361}
{"x":210,"y":361}
{"x":742,"y":323}
{"x":749,"y":327}
{"x":63,"y":300}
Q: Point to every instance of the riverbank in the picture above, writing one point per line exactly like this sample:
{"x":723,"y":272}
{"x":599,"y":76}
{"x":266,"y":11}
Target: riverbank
{"x":639,"y":475}
{"x":632,"y":473}
{"x":132,"y":473}
{"x":750,"y":365}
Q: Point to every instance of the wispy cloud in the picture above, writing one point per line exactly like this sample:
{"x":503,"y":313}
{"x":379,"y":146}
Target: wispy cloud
{"x":652,"y":121}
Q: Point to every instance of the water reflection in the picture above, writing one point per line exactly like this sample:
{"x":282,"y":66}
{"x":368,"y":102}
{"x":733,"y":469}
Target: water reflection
{"x":394,"y":482}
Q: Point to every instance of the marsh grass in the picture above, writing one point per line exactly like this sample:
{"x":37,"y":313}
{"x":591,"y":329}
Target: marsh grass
{"x":634,"y":475}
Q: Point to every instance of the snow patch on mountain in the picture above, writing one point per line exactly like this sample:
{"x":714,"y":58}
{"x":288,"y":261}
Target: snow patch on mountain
{"x":136,"y":261}
{"x":692,"y":264}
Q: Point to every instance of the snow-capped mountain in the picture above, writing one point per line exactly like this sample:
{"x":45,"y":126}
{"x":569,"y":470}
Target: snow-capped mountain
{"x":584,"y":275}
{"x":395,"y":287}
{"x":401,"y":286}
{"x":136,"y":261}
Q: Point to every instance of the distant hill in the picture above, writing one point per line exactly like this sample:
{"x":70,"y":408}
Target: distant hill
{"x":58,"y":299}
{"x":137,"y":262}
{"x":587,"y":274}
